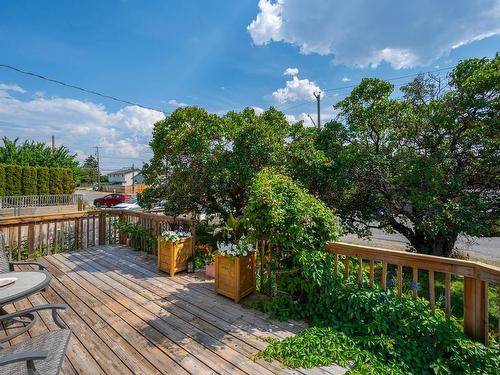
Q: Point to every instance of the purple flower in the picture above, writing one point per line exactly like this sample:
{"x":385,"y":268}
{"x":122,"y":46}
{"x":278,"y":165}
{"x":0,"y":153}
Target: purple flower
{"x":390,"y":281}
{"x":414,"y":286}
{"x":383,"y":298}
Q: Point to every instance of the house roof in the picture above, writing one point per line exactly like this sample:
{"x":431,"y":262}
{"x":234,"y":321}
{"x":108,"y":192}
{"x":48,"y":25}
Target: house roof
{"x":124,"y":171}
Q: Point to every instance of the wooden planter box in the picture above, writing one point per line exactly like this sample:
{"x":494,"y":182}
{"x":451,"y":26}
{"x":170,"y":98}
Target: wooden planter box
{"x":172,"y":257}
{"x":235,"y":276}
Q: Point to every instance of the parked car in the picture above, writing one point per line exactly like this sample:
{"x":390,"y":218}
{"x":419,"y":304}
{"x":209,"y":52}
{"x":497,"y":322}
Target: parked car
{"x":130,"y":205}
{"x":111,"y":200}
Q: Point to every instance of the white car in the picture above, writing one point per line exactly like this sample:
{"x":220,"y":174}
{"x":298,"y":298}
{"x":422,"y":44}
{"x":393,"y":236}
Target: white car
{"x":131,"y":205}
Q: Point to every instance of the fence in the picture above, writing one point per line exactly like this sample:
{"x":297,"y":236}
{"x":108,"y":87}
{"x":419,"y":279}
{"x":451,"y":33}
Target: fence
{"x":39,"y":235}
{"x":475,"y":285}
{"x":125,"y":189}
{"x":23,"y":201}
{"x":475,"y":277}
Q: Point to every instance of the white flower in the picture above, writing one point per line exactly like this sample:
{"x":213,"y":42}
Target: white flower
{"x":175,"y":235}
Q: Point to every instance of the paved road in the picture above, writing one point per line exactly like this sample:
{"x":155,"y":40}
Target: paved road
{"x":487,"y":248}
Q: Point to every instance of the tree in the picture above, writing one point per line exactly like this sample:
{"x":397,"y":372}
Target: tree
{"x":89,"y":170}
{"x":36,"y":154}
{"x":204,"y":163}
{"x":282,"y":211}
{"x":425,"y":165}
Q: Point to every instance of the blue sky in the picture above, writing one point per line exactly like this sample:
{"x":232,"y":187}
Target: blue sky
{"x":221,"y":55}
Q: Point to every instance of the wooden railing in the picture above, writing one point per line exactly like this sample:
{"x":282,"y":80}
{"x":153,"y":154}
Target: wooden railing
{"x":476,"y":278}
{"x":30,"y":236}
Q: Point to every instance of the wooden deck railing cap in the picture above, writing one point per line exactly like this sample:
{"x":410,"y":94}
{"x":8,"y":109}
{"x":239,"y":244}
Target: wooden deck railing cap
{"x":462,"y":267}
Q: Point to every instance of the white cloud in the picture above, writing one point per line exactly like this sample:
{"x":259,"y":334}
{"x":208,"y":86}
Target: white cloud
{"x":365,"y":33}
{"x":346,"y":79}
{"x":258,"y":110}
{"x":11,"y":87}
{"x":176,"y":104}
{"x":267,"y":23}
{"x":295,"y":90}
{"x":80,"y":125}
{"x":291,"y":72}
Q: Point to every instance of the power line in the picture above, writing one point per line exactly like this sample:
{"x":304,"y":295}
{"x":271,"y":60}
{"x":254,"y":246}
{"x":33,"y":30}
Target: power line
{"x":79,"y":88}
{"x":390,"y":79}
{"x":284,"y":107}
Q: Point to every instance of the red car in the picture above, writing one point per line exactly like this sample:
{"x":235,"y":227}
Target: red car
{"x":111,"y":199}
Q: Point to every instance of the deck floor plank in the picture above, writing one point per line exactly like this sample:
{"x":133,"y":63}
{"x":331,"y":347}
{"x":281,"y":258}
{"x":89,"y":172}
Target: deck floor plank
{"x":185,"y":321}
{"x":129,"y":318}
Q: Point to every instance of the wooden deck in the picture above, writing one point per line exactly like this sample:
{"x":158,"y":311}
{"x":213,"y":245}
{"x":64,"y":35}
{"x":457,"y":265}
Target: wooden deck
{"x":128,"y":318}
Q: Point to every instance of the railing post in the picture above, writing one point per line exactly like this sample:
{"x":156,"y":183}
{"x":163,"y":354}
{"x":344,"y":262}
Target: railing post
{"x":193,"y":235}
{"x":31,"y":239}
{"x":476,"y":309}
{"x":122,"y":237}
{"x":80,"y":204}
{"x":102,"y":228}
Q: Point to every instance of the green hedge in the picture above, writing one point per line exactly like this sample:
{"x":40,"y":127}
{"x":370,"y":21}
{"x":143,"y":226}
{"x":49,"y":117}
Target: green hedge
{"x":28,"y":180}
{"x":13,"y":179}
{"x":2,"y":179}
{"x":42,"y":181}
{"x":56,"y":181}
{"x":68,"y":181}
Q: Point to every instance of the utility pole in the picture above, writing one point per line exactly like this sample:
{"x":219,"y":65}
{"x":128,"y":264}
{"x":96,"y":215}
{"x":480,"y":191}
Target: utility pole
{"x":98,"y":168}
{"x":317,"y":95}
{"x":133,"y":179}
{"x":53,"y":142}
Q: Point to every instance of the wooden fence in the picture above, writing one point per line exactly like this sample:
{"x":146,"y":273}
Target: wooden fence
{"x":22,"y":201}
{"x":476,"y":279}
{"x":31,"y":236}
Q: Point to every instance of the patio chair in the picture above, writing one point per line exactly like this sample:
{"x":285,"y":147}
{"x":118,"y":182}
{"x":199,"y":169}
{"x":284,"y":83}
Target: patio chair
{"x":40,"y":355}
{"x":8,"y":266}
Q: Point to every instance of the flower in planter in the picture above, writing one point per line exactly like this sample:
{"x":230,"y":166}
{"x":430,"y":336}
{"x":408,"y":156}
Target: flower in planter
{"x":239,"y":248}
{"x":204,"y":255}
{"x":174,"y":235}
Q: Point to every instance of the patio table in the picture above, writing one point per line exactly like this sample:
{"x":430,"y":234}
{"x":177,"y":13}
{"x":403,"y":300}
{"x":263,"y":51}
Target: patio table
{"x":27,"y":283}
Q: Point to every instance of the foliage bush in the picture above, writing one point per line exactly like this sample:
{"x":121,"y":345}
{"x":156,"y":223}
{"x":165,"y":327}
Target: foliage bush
{"x":29,"y":180}
{"x":377,"y":330}
{"x":67,"y":181}
{"x":13,"y":178}
{"x":280,"y":210}
{"x":56,"y":181}
{"x":2,"y":179}
{"x":42,"y":181}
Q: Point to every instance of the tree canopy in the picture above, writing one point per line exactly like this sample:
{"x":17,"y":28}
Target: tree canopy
{"x":205,"y":163}
{"x":423,"y":161}
{"x":36,"y":154}
{"x":425,"y":165}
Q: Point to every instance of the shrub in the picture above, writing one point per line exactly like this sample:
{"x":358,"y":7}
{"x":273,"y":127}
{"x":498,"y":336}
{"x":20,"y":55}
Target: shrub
{"x":28,"y":180}
{"x":381,"y":332}
{"x":2,"y":179}
{"x":42,"y":181}
{"x":56,"y":181}
{"x":68,"y":181}
{"x":13,"y":178}
{"x":280,"y":210}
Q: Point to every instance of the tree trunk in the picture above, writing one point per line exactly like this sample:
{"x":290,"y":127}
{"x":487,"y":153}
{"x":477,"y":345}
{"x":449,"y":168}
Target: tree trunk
{"x":440,"y":245}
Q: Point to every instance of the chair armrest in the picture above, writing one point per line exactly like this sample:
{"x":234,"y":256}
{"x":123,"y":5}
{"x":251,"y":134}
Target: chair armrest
{"x":23,"y":356}
{"x":30,"y":312}
{"x":41,"y":265}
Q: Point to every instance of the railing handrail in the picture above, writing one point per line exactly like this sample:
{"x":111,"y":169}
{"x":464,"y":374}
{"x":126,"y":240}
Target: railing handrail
{"x":482,"y":271}
{"x":476,"y":278}
{"x":36,"y":218}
